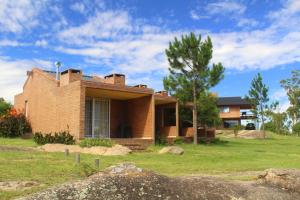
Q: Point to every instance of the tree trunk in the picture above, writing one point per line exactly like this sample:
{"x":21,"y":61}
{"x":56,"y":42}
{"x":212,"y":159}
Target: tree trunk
{"x":262,"y":120}
{"x":195,"y":122}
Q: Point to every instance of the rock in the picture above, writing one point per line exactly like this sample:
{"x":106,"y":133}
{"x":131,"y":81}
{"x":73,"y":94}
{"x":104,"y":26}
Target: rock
{"x":124,"y":168}
{"x":172,"y":149}
{"x":126,"y":182}
{"x":288,"y":179}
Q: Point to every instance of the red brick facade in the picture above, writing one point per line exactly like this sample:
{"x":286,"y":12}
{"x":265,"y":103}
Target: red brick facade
{"x":54,"y":106}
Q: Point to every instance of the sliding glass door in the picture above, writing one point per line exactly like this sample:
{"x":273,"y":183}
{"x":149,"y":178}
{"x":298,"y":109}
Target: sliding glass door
{"x":97,"y":118}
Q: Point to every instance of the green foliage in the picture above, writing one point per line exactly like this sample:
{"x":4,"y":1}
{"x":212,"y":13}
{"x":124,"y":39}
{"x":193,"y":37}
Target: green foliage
{"x":237,"y":128}
{"x":258,"y":96}
{"x":14,"y":125}
{"x":292,"y":88}
{"x":4,"y":107}
{"x":278,"y":119}
{"x":178,"y":140}
{"x":296,"y":129}
{"x":269,"y":126}
{"x":63,"y":137}
{"x":208,"y":112}
{"x":190,"y":74}
{"x":161,"y":141}
{"x":90,"y":142}
{"x":85,"y":170}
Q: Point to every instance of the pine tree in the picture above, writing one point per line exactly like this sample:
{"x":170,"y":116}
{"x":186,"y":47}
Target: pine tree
{"x":190,"y":74}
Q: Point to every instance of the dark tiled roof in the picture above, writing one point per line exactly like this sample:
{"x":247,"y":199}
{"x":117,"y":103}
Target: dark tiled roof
{"x":228,"y":101}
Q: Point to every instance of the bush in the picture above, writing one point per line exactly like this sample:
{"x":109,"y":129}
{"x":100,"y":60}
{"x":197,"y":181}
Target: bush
{"x":237,"y":128}
{"x":85,"y":170}
{"x":63,"y":137}
{"x":178,"y":140}
{"x":14,"y":124}
{"x":161,"y":141}
{"x":296,"y":129}
{"x":270,"y":126}
{"x":90,"y":142}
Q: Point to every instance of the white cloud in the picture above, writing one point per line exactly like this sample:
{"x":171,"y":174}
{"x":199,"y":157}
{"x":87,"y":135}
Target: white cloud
{"x":120,"y":43}
{"x":41,"y":43}
{"x":15,"y":16}
{"x":102,"y":25}
{"x":247,"y":22}
{"x":12,"y":43}
{"x":79,"y":7}
{"x":225,"y":7}
{"x":13,"y":74}
{"x":196,"y":16}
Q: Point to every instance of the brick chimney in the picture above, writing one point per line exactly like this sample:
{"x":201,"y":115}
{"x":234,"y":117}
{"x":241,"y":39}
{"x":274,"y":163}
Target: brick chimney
{"x":162,"y":93}
{"x":116,"y":79}
{"x":69,"y":76}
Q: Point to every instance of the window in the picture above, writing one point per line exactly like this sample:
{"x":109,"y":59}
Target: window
{"x":224,"y":109}
{"x":96,"y":117}
{"x":230,"y":123}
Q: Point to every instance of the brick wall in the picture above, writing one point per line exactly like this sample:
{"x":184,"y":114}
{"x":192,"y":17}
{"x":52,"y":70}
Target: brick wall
{"x":140,"y":117}
{"x":52,"y":108}
{"x":118,"y":113}
{"x":234,"y":112}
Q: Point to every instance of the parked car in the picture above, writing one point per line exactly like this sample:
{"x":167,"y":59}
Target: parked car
{"x":250,"y":126}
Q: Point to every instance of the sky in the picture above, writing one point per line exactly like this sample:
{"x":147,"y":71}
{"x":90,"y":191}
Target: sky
{"x":130,"y":36}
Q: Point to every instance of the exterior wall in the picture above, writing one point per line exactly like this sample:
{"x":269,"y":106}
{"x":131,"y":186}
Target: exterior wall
{"x":169,"y":131}
{"x":234,"y":112}
{"x":140,"y":117}
{"x":187,"y":132}
{"x":118,"y":112}
{"x":166,"y":131}
{"x":51,"y":108}
{"x":69,"y":77}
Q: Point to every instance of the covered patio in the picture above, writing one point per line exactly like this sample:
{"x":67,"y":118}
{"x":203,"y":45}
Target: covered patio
{"x":120,"y":113}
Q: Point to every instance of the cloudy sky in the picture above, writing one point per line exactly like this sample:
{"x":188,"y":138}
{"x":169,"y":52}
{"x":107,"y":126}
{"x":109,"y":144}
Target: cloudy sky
{"x":130,"y":36}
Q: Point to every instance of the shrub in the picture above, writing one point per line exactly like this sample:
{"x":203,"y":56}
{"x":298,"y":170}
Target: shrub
{"x":270,"y":126}
{"x":90,"y":142}
{"x":63,"y":137}
{"x":161,"y":141}
{"x":14,"y":124}
{"x":296,"y":129}
{"x":85,"y":170}
{"x":178,"y":140}
{"x":236,"y":129}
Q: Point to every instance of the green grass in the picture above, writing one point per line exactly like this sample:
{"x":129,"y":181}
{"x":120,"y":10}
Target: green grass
{"x":233,"y":155}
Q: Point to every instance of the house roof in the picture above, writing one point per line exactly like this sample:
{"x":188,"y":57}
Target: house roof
{"x":230,"y":101}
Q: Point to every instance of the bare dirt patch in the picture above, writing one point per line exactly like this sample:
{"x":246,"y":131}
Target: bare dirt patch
{"x":105,"y":151}
{"x":17,"y":185}
{"x":246,"y":134}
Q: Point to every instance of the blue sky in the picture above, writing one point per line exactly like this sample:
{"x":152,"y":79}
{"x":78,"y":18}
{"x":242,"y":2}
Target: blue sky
{"x":130,"y":36}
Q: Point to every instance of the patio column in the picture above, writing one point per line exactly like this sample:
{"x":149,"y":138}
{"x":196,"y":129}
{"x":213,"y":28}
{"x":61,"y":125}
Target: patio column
{"x":177,"y":118}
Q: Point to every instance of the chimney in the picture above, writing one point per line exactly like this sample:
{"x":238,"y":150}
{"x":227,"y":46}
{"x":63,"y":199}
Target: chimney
{"x":162,"y":93}
{"x":140,"y":86}
{"x":116,"y":79}
{"x":69,"y":76}
{"x":58,"y":65}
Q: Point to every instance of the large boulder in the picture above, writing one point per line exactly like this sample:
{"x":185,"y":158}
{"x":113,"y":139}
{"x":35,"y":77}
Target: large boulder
{"x":172,"y":149}
{"x":288,"y":179}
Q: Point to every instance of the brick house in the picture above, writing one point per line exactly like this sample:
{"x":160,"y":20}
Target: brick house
{"x":234,"y":111}
{"x":91,"y":106}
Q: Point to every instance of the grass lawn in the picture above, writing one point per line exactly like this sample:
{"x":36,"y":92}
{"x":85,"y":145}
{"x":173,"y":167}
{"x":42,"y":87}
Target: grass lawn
{"x":232,"y":155}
